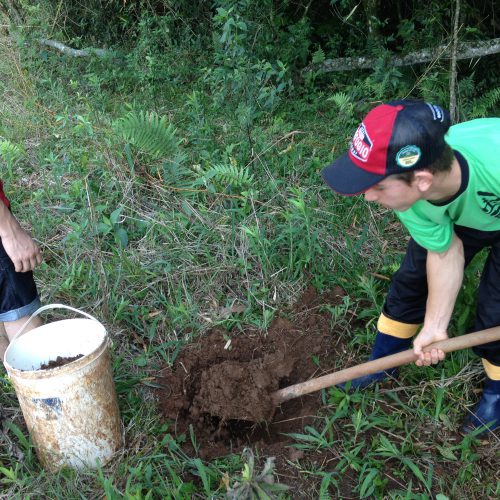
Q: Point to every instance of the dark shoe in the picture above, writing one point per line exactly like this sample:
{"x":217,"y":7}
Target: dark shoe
{"x":384,"y":346}
{"x":487,"y":412}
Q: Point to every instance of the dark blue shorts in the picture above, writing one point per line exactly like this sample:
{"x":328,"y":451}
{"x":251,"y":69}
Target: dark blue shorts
{"x":18,"y":293}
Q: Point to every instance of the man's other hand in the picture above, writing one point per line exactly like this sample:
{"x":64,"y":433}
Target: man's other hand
{"x":22,"y":250}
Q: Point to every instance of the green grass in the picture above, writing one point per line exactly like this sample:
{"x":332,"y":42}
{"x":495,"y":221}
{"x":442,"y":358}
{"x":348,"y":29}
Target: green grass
{"x":155,"y":246}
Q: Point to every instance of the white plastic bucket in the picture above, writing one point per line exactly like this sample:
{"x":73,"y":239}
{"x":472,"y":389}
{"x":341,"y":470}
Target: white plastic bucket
{"x":71,"y":410}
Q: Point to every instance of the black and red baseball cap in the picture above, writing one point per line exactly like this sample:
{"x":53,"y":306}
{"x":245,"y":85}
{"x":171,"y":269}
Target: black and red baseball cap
{"x":395,"y":137}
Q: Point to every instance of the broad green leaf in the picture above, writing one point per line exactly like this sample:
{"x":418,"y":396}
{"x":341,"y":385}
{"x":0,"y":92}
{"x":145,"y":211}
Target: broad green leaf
{"x":122,"y":236}
{"x":446,"y":452}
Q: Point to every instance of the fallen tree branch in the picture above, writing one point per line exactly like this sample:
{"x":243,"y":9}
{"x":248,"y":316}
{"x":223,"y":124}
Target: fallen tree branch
{"x":75,"y":52}
{"x":464,"y":51}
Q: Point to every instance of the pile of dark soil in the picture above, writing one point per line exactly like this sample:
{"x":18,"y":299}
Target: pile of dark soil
{"x":222,"y":390}
{"x":59,"y":361}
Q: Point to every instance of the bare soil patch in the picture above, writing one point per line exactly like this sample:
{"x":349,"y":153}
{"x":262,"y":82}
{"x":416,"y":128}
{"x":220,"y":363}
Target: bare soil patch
{"x":222,"y":391}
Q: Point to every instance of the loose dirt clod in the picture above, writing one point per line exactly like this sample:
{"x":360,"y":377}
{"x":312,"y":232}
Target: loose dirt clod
{"x":221,"y":393}
{"x":241,"y":391}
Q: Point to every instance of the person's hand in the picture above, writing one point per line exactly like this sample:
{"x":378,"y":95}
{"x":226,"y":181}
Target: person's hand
{"x":424,"y":338}
{"x":22,"y":250}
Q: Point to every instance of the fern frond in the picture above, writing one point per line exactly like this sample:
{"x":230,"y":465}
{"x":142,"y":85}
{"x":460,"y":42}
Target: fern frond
{"x":343,"y":102}
{"x":228,"y":175}
{"x":149,"y":133}
{"x":318,"y":56}
{"x":486,"y":102}
{"x":341,"y":99}
{"x":10,"y":152}
{"x":174,"y":173}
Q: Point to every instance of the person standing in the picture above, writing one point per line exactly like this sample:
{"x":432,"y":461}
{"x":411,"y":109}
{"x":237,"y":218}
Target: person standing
{"x":443,"y":182}
{"x":19,"y":255}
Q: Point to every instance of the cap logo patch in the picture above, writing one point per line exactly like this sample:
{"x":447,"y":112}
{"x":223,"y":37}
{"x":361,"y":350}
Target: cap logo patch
{"x":361,"y":144}
{"x":437,"y":112}
{"x":408,"y":156}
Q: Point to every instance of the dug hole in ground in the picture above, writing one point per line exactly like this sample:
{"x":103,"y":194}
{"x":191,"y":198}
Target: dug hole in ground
{"x":223,"y":392}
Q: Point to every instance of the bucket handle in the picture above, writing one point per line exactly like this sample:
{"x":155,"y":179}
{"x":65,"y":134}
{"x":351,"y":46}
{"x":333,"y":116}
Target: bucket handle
{"x":52,"y":306}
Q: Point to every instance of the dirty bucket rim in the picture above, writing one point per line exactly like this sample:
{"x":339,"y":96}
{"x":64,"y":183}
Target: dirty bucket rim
{"x":52,"y":306}
{"x":85,"y":359}
{"x":76,"y":364}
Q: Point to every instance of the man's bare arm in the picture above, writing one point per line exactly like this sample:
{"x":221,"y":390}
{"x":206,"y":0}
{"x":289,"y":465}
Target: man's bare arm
{"x":444,"y":278}
{"x":17,"y":243}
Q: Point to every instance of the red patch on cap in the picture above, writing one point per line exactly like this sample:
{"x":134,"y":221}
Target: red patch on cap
{"x":370,"y":143}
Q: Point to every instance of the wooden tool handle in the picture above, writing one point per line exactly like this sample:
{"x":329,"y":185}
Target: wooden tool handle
{"x":381,"y":364}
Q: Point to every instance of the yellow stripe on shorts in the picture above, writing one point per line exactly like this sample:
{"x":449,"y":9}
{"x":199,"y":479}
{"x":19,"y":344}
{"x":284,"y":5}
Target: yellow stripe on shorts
{"x":493,"y":371}
{"x":396,"y":328}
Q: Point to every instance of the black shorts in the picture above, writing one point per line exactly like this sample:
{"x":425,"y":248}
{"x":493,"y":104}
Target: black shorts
{"x":18,"y":293}
{"x":407,"y":295}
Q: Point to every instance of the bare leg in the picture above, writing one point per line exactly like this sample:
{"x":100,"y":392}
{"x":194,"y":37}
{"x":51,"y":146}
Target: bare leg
{"x":12,"y":327}
{"x":4,"y":341}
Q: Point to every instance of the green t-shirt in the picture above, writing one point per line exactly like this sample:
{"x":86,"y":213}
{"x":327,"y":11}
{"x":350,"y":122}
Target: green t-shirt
{"x":477,"y":203}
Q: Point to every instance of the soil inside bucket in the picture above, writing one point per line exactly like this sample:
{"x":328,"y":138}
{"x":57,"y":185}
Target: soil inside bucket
{"x":59,"y":361}
{"x":220,"y":391}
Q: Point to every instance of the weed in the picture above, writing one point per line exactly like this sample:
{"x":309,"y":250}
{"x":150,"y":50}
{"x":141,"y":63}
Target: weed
{"x":255,"y":485}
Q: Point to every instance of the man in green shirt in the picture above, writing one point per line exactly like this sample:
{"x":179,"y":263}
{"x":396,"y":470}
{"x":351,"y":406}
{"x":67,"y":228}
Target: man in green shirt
{"x":444,"y":184}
